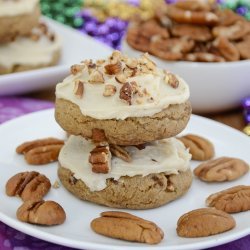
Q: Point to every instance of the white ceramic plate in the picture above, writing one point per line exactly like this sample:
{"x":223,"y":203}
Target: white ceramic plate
{"x":76,"y":232}
{"x":214,"y":87}
{"x":76,"y":47}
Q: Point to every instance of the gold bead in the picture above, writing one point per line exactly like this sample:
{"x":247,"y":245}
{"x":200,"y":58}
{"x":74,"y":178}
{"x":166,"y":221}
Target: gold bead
{"x":246,"y":130}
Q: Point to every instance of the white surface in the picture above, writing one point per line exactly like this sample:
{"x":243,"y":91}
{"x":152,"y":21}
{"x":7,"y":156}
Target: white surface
{"x":214,"y":87}
{"x":76,"y":232}
{"x":76,"y":47}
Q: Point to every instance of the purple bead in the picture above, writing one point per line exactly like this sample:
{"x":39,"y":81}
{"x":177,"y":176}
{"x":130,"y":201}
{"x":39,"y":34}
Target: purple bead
{"x":113,"y":37}
{"x":91,"y":28}
{"x":103,"y":29}
{"x":246,"y":103}
{"x":247,"y":116}
{"x":110,"y":22}
{"x":220,"y":1}
{"x":134,"y":2}
{"x":170,"y":1}
{"x":242,"y":10}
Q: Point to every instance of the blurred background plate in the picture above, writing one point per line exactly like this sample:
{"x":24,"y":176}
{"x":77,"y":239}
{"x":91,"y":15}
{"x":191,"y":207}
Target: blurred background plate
{"x":214,"y":87}
{"x":76,"y":47}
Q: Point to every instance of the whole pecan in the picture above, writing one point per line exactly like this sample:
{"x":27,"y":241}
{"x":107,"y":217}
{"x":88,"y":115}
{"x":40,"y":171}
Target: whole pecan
{"x":128,"y":227}
{"x":28,"y":185}
{"x":221,"y":169}
{"x":200,"y":148}
{"x":41,"y":151}
{"x":232,"y":200}
{"x":204,"y":222}
{"x":41,"y":212}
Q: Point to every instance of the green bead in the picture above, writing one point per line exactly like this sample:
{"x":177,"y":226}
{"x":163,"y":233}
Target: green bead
{"x":78,"y":22}
{"x":248,"y":16}
{"x":231,"y":4}
{"x":60,"y":18}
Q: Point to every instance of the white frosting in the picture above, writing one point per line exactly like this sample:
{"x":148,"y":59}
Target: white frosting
{"x":25,"y":51}
{"x":95,"y":105}
{"x":168,"y":156}
{"x":17,"y":7}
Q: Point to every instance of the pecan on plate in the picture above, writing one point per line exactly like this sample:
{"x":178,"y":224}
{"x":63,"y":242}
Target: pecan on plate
{"x":125,"y":226}
{"x":28,"y":185}
{"x":231,"y":200}
{"x":221,"y":169}
{"x":41,"y":151}
{"x":100,"y":159}
{"x":204,"y":222}
{"x":46,"y":213}
{"x":200,"y":148}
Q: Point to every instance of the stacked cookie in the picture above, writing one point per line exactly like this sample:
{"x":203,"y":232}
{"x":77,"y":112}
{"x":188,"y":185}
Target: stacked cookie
{"x":122,"y":114}
{"x":25,"y":42}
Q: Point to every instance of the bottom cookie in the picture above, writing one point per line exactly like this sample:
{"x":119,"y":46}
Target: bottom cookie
{"x":135,"y":192}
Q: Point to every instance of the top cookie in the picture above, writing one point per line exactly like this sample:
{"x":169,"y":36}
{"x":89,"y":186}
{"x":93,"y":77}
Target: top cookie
{"x":17,"y":18}
{"x":131,"y":92}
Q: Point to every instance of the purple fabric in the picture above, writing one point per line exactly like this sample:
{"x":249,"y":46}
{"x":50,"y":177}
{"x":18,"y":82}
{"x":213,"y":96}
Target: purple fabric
{"x":11,"y":239}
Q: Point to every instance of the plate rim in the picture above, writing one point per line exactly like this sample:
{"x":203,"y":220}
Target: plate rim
{"x":31,"y":230}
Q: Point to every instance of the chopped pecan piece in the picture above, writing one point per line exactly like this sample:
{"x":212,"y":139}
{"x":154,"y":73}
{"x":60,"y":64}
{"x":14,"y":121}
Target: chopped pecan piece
{"x":79,"y":88}
{"x":121,"y":78}
{"x":40,"y":212}
{"x":131,"y":63}
{"x":204,"y":222}
{"x":221,"y":169}
{"x":96,"y":77}
{"x":109,"y":90}
{"x":28,"y":185}
{"x":113,"y":69}
{"x":126,"y":93}
{"x":172,"y":80}
{"x":200,"y":148}
{"x":100,"y":159}
{"x":231,"y":200}
{"x":125,"y":226}
{"x":77,"y":68}
{"x":120,"y":152}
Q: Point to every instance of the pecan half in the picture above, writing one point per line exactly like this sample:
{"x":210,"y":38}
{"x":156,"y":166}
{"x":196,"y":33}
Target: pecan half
{"x":125,"y":226}
{"x":204,"y":222}
{"x":221,"y":169}
{"x":120,"y":152}
{"x":200,"y":148}
{"x":41,"y":212}
{"x":98,"y":135}
{"x":28,"y":185}
{"x":231,"y":200}
{"x":100,"y":159}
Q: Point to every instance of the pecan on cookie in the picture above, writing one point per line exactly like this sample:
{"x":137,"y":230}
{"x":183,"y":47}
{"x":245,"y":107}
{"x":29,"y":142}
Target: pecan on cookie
{"x":203,"y":57}
{"x":40,"y":212}
{"x":28,"y":185}
{"x":42,"y":151}
{"x":100,"y":159}
{"x":204,"y":222}
{"x":232,"y":32}
{"x":170,"y":49}
{"x":125,"y":226}
{"x":231,"y":200}
{"x":191,"y":17}
{"x":227,"y":49}
{"x":221,"y":169}
{"x":197,"y":33}
{"x":200,"y":148}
